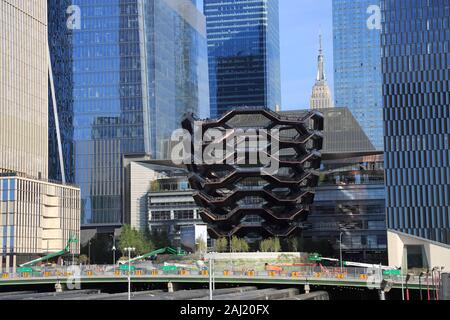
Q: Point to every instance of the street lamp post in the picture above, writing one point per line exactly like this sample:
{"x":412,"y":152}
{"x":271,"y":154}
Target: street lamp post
{"x":129,"y":270}
{"x":114,"y":249}
{"x":403,"y":285}
{"x":420,"y":284}
{"x":73,"y":255}
{"x":340,"y":250}
{"x":89,"y":252}
{"x":231,"y":250}
{"x":114,"y":256}
{"x":213,"y":273}
{"x":210,"y":279}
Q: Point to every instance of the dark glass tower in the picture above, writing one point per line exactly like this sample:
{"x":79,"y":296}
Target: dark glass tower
{"x":137,"y":67}
{"x":416,"y":89}
{"x":60,"y":44}
{"x":244,"y":54}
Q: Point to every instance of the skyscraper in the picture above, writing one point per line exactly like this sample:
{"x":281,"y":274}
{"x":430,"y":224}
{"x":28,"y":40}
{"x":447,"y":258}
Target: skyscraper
{"x":137,"y":66}
{"x":23,"y":87}
{"x":60,"y":43}
{"x":321,"y":97}
{"x":416,"y":89}
{"x":244,"y":54}
{"x":357,"y":63}
{"x":36,"y":216}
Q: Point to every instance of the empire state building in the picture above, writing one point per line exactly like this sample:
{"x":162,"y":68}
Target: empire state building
{"x":321,"y":94}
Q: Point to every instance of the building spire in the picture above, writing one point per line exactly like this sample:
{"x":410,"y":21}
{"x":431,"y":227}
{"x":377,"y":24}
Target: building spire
{"x":321,"y":97}
{"x":321,"y":62}
{"x":320,"y":44}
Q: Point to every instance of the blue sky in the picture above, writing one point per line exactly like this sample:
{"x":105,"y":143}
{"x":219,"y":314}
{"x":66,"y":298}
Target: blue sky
{"x":300,"y":25}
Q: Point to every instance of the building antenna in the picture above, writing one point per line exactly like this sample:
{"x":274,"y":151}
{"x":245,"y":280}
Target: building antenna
{"x":55,"y":113}
{"x":320,"y":40}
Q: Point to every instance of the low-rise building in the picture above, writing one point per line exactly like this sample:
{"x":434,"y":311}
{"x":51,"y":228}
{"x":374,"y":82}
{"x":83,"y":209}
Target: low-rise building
{"x":415,"y":253}
{"x":349,"y":203}
{"x":36,"y":218}
{"x":159,"y":197}
{"x":349,"y":206}
{"x":171,"y":206}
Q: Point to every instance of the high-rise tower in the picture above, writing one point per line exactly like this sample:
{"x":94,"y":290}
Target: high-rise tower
{"x":37,"y":217}
{"x":357,"y":63}
{"x":23,"y":87}
{"x":137,"y":67}
{"x":244,"y":54}
{"x":321,"y":97}
{"x":416,"y":94}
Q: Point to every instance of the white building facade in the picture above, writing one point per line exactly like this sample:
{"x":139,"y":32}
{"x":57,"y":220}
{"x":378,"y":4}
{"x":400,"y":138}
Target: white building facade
{"x":36,"y":218}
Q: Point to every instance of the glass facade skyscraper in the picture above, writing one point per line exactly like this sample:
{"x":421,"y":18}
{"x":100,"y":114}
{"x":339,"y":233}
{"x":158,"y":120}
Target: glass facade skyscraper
{"x":357,"y":63}
{"x":60,"y":45}
{"x":137,"y":67}
{"x":244,"y":54}
{"x":416,"y":89}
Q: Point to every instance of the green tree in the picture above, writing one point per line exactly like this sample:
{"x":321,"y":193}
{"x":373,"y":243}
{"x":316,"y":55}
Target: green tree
{"x":235,"y":244}
{"x":265,"y":245}
{"x":83,"y":259}
{"x":160,"y":239}
{"x":221,"y":245}
{"x":130,"y":237}
{"x":201,"y":245}
{"x":244,"y":247}
{"x":144,"y":245}
{"x":276,"y":245}
{"x":270,"y":245}
{"x":291,"y":244}
{"x":239,"y":245}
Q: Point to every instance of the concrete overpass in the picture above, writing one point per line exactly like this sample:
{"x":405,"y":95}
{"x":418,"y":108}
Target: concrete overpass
{"x":323,"y":280}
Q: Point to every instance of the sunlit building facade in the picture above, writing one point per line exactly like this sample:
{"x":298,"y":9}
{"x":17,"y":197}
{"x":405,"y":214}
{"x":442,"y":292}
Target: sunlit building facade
{"x":23,"y":87}
{"x":36,"y":218}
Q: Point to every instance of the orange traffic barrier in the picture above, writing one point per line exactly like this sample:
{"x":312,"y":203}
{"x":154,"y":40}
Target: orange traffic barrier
{"x":154,"y":272}
{"x":47,"y":274}
{"x":364,"y":277}
{"x":205,"y":273}
{"x":183,"y":272}
{"x":117,"y":273}
{"x":272,"y":274}
{"x":226,"y":273}
{"x":295,"y":274}
{"x":5,"y":276}
{"x":340,"y":276}
{"x":25,"y":275}
{"x":317,"y":275}
{"x":250,"y":273}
